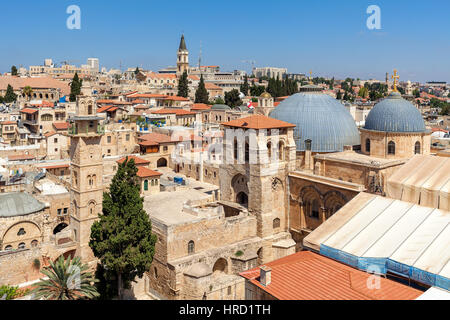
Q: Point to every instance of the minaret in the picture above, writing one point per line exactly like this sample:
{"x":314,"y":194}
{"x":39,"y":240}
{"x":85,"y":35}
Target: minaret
{"x":86,"y":165}
{"x":182,"y":58}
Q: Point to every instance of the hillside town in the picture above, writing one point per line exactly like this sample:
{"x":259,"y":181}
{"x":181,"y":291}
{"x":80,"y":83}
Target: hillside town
{"x":261,"y":185}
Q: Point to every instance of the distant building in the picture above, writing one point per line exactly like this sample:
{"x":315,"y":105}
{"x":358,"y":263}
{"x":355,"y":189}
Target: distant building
{"x":270,"y":72}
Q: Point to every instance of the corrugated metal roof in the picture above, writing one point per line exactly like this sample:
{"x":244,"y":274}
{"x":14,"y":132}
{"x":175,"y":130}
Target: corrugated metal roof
{"x":320,"y":118}
{"x":395,"y":114}
{"x":392,"y":235}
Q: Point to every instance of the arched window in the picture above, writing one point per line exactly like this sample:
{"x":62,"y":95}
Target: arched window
{"x":391,"y":147}
{"x":276,"y":223}
{"x":235,"y":147}
{"x":146,"y":185}
{"x":21,"y":232}
{"x":314,"y":209}
{"x":21,"y":245}
{"x":368,"y":145}
{"x":417,"y":148}
{"x":34,"y":243}
{"x":281,"y":151}
{"x":191,"y":247}
{"x":269,"y":150}
{"x":247,"y":152}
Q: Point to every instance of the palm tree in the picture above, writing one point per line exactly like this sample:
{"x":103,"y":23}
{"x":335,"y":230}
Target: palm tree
{"x":27,"y":91}
{"x":67,"y":280}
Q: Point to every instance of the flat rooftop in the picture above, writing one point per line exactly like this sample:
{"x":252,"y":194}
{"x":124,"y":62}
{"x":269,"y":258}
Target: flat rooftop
{"x":360,"y":159}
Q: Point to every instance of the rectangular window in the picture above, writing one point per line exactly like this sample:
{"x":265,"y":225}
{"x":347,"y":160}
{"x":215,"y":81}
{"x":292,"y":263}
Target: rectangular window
{"x":59,"y":212}
{"x":127,"y":137}
{"x":66,"y":210}
{"x":109,"y":139}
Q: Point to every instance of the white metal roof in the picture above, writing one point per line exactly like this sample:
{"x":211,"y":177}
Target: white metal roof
{"x":372,"y":227}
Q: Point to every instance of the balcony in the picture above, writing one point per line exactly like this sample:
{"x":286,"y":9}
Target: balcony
{"x":74,"y":131}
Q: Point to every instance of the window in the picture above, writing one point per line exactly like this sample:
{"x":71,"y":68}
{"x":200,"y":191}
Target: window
{"x":391,"y":147}
{"x":308,"y":144}
{"x":276,"y":223}
{"x":21,"y":245}
{"x":108,"y":139}
{"x":235,"y":146}
{"x":55,"y":140}
{"x":247,"y":152}
{"x":8,"y":248}
{"x":165,"y":148}
{"x":59,"y":212}
{"x":66,"y":210}
{"x":191,"y":247}
{"x":315,"y":209}
{"x":34,"y":243}
{"x":368,"y":145}
{"x":417,"y":148}
{"x":21,"y":232}
{"x":127,"y":137}
{"x":146,"y":185}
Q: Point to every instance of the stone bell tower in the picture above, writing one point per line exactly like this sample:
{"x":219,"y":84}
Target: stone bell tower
{"x":182,"y":58}
{"x":259,"y":152}
{"x":86,"y":165}
{"x":265,"y":104}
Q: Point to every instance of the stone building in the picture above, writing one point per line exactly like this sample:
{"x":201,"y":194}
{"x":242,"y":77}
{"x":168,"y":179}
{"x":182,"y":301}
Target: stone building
{"x":182,"y":58}
{"x":86,"y":170}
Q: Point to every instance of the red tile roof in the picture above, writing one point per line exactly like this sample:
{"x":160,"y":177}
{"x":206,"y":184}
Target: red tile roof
{"x":178,"y":112}
{"x":144,"y":172}
{"x":8,"y":122}
{"x":21,"y":157}
{"x":176,"y":98}
{"x":59,"y":166}
{"x":258,"y":122}
{"x":19,"y":83}
{"x":309,"y":276}
{"x":200,"y":106}
{"x":156,"y":137}
{"x":28,"y":110}
{"x":49,"y":134}
{"x":137,"y":160}
{"x":148,"y":95}
{"x":61,"y":125}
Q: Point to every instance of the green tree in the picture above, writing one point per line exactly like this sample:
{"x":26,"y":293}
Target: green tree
{"x":256,"y":91}
{"x":183,"y":85}
{"x":416,"y":93}
{"x":27,"y":92}
{"x":245,"y":87}
{"x":218,"y":100}
{"x":232,"y":98}
{"x":363,"y":92}
{"x":75,"y":87}
{"x":67,"y":280}
{"x":10,"y":96}
{"x":339,"y":95}
{"x":122,"y":237}
{"x":14,"y":71}
{"x":201,"y":95}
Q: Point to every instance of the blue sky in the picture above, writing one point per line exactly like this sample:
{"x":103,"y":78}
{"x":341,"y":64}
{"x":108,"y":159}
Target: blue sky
{"x":328,"y":37}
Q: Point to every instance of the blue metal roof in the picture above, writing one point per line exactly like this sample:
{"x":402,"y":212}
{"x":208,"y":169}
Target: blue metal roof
{"x":320,"y":118}
{"x":395,"y":114}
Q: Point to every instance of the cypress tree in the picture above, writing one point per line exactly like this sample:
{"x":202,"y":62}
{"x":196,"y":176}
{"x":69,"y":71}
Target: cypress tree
{"x":201,"y":95}
{"x":122,"y":238}
{"x":75,"y":87}
{"x":10,"y":96}
{"x":245,"y":87}
{"x":183,"y":85}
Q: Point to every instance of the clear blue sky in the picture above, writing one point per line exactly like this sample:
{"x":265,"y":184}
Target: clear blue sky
{"x":329,"y":37}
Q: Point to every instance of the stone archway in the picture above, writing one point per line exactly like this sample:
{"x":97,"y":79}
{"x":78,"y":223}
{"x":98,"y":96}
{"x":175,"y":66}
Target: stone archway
{"x":242,"y":199}
{"x":239,"y":185}
{"x":60,"y":227}
{"x":162,"y":162}
{"x":221,"y":266}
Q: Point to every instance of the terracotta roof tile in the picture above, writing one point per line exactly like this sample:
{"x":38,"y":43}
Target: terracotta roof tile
{"x":309,"y":276}
{"x":258,"y":122}
{"x":178,"y":112}
{"x":21,"y":157}
{"x":144,"y":172}
{"x":61,"y":125}
{"x":137,"y":160}
{"x":28,"y":110}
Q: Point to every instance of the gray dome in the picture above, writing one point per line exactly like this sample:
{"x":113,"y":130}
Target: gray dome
{"x":320,"y":118}
{"x":395,"y":114}
{"x":18,"y":204}
{"x":220,"y":107}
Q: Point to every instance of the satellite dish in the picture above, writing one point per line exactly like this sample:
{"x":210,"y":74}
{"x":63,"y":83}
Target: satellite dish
{"x":241,"y":95}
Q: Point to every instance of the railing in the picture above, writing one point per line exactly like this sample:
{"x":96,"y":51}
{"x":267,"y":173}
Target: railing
{"x":74,"y":131}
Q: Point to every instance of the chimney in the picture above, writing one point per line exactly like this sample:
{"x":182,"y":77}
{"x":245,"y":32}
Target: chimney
{"x":265,"y":275}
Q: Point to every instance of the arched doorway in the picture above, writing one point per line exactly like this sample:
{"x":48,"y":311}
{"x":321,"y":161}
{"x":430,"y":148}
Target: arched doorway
{"x":242,"y":199}
{"x":60,"y":227}
{"x":221,"y":266}
{"x":162,"y":163}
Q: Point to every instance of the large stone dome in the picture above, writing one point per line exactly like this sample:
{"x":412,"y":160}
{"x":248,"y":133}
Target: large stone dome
{"x":395,"y":114}
{"x":320,"y":118}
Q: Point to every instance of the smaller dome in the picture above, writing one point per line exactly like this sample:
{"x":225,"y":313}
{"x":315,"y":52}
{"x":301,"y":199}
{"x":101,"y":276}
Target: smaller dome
{"x":19,"y":204}
{"x":220,"y":107}
{"x":266,"y":95}
{"x":395,"y":114}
